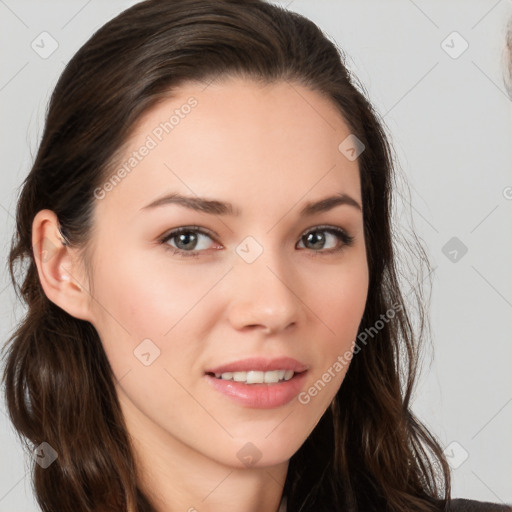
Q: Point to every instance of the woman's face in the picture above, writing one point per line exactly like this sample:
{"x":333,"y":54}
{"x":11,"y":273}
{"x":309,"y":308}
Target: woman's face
{"x":259,"y":280}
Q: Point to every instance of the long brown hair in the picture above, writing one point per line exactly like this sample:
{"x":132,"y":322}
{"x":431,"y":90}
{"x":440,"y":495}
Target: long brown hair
{"x":368,"y":452}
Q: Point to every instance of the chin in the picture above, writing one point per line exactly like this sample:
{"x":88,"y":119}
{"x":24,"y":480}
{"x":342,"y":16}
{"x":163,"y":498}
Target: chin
{"x":262,"y":453}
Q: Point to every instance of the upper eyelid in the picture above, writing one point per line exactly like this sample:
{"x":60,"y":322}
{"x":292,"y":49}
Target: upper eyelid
{"x":196,"y":229}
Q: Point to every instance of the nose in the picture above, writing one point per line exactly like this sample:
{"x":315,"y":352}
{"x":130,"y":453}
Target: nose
{"x":265,"y":296}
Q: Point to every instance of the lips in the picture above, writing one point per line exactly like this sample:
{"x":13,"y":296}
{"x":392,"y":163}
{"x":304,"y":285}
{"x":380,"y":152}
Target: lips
{"x":260,"y":364}
{"x":262,"y":395}
{"x":259,"y":396}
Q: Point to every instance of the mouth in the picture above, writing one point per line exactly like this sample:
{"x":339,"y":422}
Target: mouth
{"x":258,"y":370}
{"x":256,"y":376}
{"x":259,"y":383}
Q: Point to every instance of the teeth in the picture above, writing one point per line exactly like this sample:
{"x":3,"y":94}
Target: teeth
{"x":257,"y":377}
{"x":288,"y":374}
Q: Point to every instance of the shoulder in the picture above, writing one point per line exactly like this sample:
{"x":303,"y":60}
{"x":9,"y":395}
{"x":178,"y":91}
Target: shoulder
{"x":463,"y":505}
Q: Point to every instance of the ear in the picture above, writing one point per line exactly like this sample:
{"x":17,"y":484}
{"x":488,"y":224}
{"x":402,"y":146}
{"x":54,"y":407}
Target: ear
{"x":61,"y":272}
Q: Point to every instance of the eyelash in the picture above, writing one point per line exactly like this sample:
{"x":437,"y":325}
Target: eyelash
{"x":344,"y":237}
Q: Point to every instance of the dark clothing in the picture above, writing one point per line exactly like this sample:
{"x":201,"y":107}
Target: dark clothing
{"x":463,"y":505}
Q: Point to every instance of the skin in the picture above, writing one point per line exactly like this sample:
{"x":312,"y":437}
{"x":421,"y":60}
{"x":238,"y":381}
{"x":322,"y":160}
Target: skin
{"x":268,"y":150}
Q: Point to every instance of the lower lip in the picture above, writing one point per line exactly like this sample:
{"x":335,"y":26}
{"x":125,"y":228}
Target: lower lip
{"x":260,"y":396}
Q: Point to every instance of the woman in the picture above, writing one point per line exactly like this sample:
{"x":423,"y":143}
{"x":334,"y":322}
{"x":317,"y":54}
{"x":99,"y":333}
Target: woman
{"x":214,"y":318}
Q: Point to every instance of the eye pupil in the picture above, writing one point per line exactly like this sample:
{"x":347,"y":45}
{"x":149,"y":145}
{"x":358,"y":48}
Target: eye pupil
{"x":317,"y":239}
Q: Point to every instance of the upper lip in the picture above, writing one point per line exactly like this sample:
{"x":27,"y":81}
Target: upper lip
{"x":261,"y":364}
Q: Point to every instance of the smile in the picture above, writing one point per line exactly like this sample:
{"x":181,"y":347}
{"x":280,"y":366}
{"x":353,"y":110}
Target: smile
{"x":252,"y":391}
{"x":257,"y":377}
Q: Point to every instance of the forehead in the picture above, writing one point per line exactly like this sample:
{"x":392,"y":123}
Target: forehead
{"x":236,"y":136}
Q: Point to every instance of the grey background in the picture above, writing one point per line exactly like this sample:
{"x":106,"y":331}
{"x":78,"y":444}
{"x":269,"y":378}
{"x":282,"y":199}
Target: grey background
{"x":451,"y":126}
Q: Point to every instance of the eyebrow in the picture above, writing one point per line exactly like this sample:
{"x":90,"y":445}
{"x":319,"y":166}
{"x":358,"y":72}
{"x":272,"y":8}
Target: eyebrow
{"x":216,"y":207}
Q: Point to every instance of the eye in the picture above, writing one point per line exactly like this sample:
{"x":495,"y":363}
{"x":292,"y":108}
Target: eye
{"x":335,"y":238}
{"x":188,"y":241}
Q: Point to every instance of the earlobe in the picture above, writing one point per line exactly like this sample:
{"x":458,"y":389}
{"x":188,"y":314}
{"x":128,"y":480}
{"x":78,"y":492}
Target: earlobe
{"x":59,"y":269}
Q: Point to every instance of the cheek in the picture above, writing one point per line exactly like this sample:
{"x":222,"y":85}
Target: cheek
{"x":156,"y":302}
{"x":148,"y":300}
{"x":341,"y":302}
{"x":340,"y":305}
